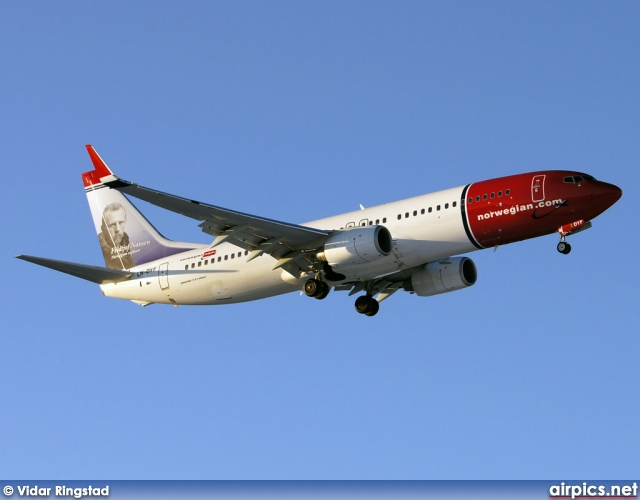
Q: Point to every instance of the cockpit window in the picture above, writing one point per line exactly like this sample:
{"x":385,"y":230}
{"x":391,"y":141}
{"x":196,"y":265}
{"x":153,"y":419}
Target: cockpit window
{"x":578,"y":178}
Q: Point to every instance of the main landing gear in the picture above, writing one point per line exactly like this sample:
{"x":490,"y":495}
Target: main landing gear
{"x":319,"y":289}
{"x":367,"y":305}
{"x":316,"y":288}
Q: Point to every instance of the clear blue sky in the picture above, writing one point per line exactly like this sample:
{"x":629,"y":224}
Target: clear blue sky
{"x":295,"y":111}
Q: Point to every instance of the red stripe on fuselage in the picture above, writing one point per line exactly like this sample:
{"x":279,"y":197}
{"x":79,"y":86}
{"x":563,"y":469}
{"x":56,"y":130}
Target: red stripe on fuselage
{"x":523,"y":206}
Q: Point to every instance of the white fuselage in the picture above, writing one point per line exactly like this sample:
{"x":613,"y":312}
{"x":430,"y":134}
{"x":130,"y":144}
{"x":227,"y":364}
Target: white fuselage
{"x":423,"y":228}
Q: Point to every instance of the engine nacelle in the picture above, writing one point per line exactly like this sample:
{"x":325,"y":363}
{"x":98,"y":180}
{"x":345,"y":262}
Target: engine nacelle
{"x":356,"y":246}
{"x":442,"y":276}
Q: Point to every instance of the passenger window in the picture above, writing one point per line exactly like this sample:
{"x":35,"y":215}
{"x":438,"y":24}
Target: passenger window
{"x":193,"y":265}
{"x":206,"y":262}
{"x":226,"y":257}
{"x":477,"y":198}
{"x":415,"y":212}
{"x":470,"y":201}
{"x":454,"y":204}
{"x":422,"y":211}
{"x":446,"y":205}
{"x":484,"y":196}
{"x":493,"y":195}
{"x":430,"y":209}
{"x":186,"y":267}
{"x":499,"y":194}
{"x":438,"y":207}
{"x":199,"y":263}
{"x":384,"y":220}
{"x":406,"y":215}
{"x":507,"y":192}
{"x":399,"y":216}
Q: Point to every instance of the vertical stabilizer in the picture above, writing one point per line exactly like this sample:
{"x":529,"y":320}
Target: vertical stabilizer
{"x":127,"y":238}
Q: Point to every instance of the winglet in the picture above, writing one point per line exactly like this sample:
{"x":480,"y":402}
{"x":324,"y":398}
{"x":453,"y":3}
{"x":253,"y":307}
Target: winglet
{"x":101,"y":174}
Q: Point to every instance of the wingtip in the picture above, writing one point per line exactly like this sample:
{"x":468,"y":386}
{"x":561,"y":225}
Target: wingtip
{"x":98,"y":163}
{"x":100,"y":173}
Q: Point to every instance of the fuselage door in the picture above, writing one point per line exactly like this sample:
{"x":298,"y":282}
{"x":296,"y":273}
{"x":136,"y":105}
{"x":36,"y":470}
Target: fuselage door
{"x":537,"y":188}
{"x":163,"y":276}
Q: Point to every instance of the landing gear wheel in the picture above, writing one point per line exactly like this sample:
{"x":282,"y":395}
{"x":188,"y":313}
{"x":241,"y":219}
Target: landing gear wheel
{"x":312,"y":287}
{"x":362,"y":304}
{"x":367,"y":305}
{"x":375,"y":307}
{"x":564,"y":247}
{"x":324,"y":291}
{"x":316,"y":288}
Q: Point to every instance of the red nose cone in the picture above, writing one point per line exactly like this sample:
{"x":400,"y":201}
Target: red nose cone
{"x":603,"y":195}
{"x":609,"y":193}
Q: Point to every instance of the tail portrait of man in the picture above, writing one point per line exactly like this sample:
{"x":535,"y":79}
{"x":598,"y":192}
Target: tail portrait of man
{"x":114,"y":241}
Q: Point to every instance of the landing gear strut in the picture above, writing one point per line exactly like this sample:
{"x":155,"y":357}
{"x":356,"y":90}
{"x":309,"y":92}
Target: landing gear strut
{"x":367,"y":305}
{"x":571,"y":228}
{"x":316,"y":288}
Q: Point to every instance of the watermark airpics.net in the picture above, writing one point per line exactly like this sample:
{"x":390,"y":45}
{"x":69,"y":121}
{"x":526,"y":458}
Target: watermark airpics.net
{"x":586,"y":490}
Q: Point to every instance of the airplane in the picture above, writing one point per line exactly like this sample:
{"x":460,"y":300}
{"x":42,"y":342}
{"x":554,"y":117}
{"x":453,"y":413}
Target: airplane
{"x":415,"y":244}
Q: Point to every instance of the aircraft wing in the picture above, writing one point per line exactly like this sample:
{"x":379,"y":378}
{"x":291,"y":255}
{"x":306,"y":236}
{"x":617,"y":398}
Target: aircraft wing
{"x":293,"y":246}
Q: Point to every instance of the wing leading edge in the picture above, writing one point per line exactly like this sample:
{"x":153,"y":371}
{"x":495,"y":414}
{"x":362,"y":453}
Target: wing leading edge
{"x":293,"y":246}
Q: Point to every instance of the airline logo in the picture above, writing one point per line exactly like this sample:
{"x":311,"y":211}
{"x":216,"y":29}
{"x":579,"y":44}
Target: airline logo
{"x":529,"y":207}
{"x":208,"y":253}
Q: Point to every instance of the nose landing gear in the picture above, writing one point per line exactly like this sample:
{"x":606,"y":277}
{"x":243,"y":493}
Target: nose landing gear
{"x":563,"y":247}
{"x":566,"y":230}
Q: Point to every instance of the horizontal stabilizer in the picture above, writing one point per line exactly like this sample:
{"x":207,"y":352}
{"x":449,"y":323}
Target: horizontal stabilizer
{"x":95,"y":274}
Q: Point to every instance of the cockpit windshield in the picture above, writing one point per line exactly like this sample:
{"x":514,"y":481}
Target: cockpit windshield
{"x":575,"y":179}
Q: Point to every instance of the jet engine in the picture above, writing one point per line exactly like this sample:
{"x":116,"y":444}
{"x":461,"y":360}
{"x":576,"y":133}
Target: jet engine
{"x":442,"y":276}
{"x":356,"y":246}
